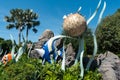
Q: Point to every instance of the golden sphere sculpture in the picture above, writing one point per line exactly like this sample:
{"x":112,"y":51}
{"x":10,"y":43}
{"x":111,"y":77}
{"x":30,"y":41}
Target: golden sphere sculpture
{"x":74,"y":25}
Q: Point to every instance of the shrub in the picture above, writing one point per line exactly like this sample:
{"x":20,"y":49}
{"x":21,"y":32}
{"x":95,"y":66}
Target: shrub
{"x":32,"y":69}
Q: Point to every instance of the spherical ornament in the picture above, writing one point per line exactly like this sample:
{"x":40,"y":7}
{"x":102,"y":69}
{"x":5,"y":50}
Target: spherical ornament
{"x":74,"y":25}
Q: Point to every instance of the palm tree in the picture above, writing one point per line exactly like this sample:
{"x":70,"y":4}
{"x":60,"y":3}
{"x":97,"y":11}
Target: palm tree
{"x":20,"y":19}
{"x":15,"y":21}
{"x":30,"y":22}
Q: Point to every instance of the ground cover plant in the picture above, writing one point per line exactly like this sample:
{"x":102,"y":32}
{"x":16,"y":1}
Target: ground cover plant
{"x":32,"y":69}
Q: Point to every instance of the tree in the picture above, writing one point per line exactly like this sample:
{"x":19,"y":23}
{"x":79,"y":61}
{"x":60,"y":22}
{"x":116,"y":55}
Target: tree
{"x":20,"y":19}
{"x":1,"y":39}
{"x":6,"y":45}
{"x":89,"y":42}
{"x":108,"y":33}
{"x":30,"y":21}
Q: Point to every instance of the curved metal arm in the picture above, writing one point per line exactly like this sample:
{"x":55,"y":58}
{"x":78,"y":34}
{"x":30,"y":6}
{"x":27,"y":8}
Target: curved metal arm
{"x":88,"y":21}
{"x":81,"y":57}
{"x":30,"y":50}
{"x":94,"y":38}
{"x":101,"y":13}
{"x":13,"y":47}
{"x":94,"y":52}
{"x":63,"y":61}
{"x":1,"y":51}
{"x":79,"y":9}
{"x":21,"y":49}
{"x":79,"y":50}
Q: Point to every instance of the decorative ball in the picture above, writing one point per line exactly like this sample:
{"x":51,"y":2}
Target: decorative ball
{"x":74,"y":25}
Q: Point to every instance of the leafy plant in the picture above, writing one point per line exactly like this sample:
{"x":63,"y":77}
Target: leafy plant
{"x":93,"y":75}
{"x":32,"y":69}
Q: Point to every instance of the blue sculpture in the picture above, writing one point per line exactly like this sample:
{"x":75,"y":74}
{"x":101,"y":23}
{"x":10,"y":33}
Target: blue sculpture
{"x":48,"y":48}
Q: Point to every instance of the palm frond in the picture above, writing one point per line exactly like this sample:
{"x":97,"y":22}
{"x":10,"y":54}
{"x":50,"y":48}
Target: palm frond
{"x":7,"y":18}
{"x":34,"y":30}
{"x":36,"y":23}
{"x":10,"y":26}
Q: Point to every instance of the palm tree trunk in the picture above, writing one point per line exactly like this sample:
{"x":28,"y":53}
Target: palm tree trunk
{"x":27,"y":34}
{"x":19,"y":36}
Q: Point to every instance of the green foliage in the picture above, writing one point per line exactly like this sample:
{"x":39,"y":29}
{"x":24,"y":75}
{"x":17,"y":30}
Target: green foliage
{"x":89,"y":45}
{"x":32,"y":69}
{"x":108,"y":33}
{"x":72,"y":73}
{"x":5,"y":45}
{"x":22,"y":70}
{"x":93,"y":76}
{"x":1,"y":39}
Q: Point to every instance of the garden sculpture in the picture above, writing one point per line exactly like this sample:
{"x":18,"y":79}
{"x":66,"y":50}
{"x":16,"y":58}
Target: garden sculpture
{"x":48,"y":49}
{"x":12,"y":56}
{"x":21,"y":49}
{"x":94,"y":37}
{"x":75,"y":25}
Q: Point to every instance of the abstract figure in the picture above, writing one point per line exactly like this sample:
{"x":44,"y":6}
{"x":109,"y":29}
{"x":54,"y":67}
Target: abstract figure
{"x":75,"y":25}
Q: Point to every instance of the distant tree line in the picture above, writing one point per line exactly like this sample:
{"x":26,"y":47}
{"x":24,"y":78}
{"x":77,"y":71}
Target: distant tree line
{"x":108,"y":33}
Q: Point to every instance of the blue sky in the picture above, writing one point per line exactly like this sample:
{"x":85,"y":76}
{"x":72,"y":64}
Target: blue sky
{"x":51,"y":13}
